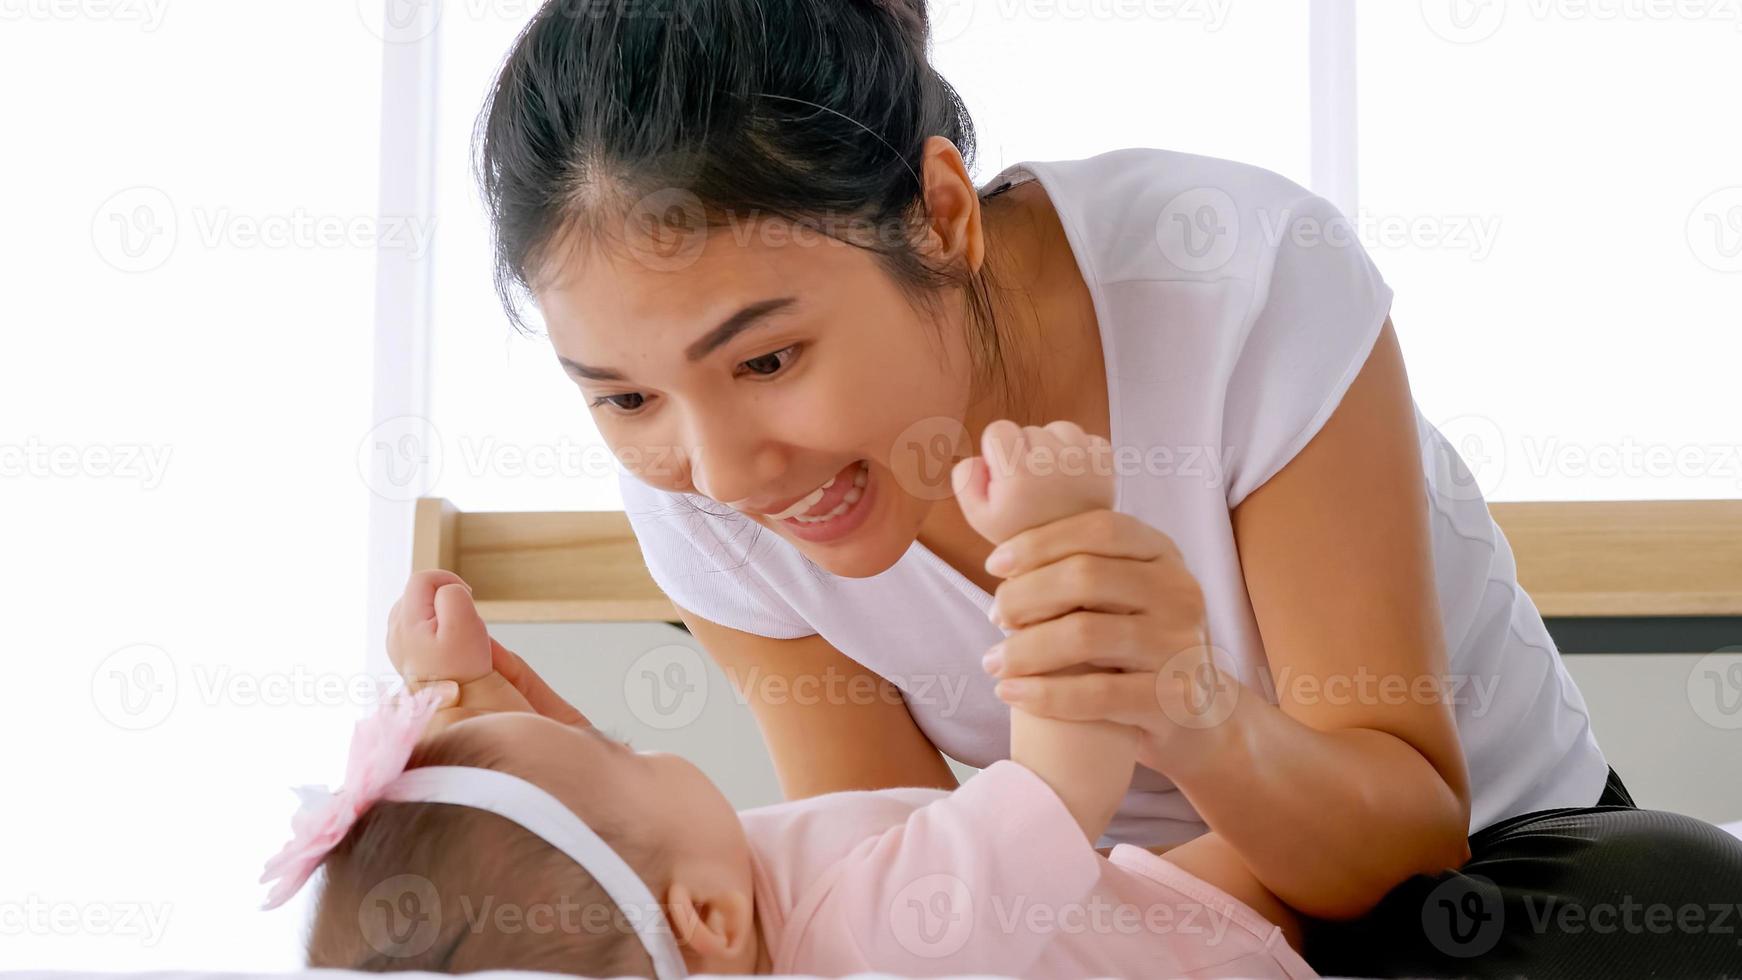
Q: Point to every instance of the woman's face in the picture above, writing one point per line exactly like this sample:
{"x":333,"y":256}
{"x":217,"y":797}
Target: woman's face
{"x":774,"y":360}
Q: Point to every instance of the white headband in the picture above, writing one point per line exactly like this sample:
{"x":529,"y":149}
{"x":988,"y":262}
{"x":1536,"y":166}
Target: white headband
{"x":546,"y":817}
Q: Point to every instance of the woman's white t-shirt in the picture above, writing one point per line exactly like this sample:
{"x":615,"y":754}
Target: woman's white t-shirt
{"x":1235,"y":308}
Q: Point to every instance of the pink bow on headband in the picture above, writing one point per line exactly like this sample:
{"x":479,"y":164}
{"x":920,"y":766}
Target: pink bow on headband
{"x":381,"y":745}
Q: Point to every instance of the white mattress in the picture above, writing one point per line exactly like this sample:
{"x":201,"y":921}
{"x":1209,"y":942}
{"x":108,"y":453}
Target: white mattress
{"x":1734,"y":827}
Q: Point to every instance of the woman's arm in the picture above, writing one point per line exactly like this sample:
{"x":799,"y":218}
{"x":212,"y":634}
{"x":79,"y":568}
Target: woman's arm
{"x":1358,"y":769}
{"x":830,"y":724}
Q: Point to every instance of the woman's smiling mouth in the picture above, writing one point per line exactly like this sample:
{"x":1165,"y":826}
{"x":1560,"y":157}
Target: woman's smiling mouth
{"x":821,"y":500}
{"x":831,"y":510}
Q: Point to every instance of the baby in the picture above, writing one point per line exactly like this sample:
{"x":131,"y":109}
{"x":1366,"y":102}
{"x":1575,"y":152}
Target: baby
{"x":602,"y":861}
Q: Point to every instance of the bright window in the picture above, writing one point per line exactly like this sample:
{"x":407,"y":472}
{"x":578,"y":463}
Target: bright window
{"x":1558,"y":183}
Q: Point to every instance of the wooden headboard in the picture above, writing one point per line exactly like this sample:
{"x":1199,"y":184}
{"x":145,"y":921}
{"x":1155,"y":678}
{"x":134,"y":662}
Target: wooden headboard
{"x":1600,"y":572}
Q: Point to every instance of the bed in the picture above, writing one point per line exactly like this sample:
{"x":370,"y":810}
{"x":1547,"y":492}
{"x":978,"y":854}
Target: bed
{"x":1645,"y":594}
{"x":1649,"y":573}
{"x":1609,"y":577}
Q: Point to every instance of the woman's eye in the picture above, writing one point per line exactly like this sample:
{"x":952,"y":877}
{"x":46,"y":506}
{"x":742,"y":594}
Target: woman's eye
{"x":610,"y":400}
{"x":765,"y":366}
{"x":772,"y":362}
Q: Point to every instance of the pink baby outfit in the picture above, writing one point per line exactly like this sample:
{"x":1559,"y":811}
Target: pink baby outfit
{"x":995,"y":878}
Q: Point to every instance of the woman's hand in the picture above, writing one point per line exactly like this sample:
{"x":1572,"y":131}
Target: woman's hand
{"x":434,"y":634}
{"x":533,"y":688}
{"x":1105,"y":590}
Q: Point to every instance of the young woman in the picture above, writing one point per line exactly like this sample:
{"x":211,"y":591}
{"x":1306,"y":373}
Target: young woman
{"x":750,"y":230}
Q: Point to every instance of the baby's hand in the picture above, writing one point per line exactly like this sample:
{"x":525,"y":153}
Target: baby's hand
{"x":435,"y":633}
{"x":1027,"y":476}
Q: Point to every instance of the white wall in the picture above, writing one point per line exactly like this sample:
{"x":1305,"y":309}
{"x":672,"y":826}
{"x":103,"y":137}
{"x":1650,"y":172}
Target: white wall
{"x":1671,"y":725}
{"x":187,"y":253}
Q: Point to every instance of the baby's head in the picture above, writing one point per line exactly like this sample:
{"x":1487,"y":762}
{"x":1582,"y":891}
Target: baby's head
{"x":453,"y":889}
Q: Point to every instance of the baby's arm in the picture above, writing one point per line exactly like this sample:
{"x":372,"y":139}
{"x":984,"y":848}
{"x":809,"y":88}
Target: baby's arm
{"x":435,"y":633}
{"x":947,"y":890}
{"x":1089,"y":764}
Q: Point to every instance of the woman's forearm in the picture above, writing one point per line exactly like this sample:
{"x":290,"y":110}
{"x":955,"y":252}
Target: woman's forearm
{"x":1328,"y":821}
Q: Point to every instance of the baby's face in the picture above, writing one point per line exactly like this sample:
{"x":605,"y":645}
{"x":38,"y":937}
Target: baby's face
{"x":664,"y":796}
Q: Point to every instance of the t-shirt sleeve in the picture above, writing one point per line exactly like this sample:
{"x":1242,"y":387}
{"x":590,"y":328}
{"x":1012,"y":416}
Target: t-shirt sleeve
{"x":707,"y":559}
{"x":954,"y":888}
{"x":1318,"y":305}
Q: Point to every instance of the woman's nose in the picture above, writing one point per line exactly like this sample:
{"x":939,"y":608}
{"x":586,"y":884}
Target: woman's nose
{"x":731,"y":462}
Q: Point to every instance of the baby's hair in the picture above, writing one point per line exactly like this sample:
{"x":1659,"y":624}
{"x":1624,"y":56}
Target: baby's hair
{"x":454,"y":889}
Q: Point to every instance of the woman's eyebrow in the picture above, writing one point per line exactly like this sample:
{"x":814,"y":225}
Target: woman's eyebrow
{"x":749,"y":317}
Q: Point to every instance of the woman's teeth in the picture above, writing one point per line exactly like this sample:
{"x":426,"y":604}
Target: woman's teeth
{"x":815,"y":496}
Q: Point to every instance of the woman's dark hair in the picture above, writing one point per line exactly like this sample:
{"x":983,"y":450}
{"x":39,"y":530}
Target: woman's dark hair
{"x":816,"y":111}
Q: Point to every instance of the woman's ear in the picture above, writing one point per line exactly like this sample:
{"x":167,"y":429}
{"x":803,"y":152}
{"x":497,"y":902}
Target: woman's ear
{"x":713,"y":930}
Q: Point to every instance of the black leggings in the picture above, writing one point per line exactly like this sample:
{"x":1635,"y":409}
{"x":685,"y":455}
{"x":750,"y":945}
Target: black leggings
{"x":1603,"y":891}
